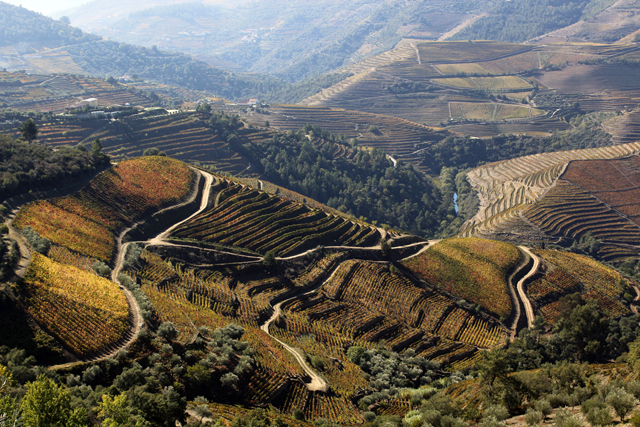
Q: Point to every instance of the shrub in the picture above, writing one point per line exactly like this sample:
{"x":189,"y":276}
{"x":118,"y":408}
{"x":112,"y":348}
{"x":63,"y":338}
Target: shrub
{"x":491,"y":422}
{"x":39,"y":244}
{"x":533,"y":417}
{"x":132,"y":257}
{"x":592,"y":404}
{"x":299,"y":415}
{"x":499,"y":412}
{"x":600,"y":417}
{"x":564,"y":418}
{"x":544,"y":407}
{"x":368,"y":416}
{"x":229,"y":380}
{"x":168,"y":331}
{"x":317,"y":362}
{"x":101,"y":269}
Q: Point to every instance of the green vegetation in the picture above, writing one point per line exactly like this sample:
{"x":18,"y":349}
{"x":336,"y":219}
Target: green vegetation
{"x":365,"y":185}
{"x":25,"y":166}
{"x":521,"y":20}
{"x":20,"y":25}
{"x":470,"y":152}
{"x":473,"y":269}
{"x":109,"y":58}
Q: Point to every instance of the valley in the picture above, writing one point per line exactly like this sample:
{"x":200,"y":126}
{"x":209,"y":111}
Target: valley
{"x":368,"y":213}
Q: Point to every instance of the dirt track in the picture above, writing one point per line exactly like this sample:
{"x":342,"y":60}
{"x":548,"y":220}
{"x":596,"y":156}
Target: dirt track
{"x":523,"y":296}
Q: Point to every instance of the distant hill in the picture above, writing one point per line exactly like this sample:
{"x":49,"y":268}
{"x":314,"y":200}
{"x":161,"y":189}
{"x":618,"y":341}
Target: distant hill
{"x":289,"y":39}
{"x":20,"y":26}
{"x":522,"y":20}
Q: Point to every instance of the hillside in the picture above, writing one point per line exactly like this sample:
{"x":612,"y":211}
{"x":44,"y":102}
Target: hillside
{"x":278,"y":38}
{"x":522,"y":20}
{"x":302,"y":317}
{"x":515,"y":196}
{"x":28,"y":32}
{"x":486,"y":88}
{"x":598,"y":197}
{"x":440,"y":233}
{"x":89,"y":221}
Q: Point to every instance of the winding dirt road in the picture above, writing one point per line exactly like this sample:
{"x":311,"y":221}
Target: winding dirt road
{"x":317,"y":382}
{"x":523,"y":296}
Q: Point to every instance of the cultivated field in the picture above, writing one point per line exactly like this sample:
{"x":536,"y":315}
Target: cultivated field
{"x":506,"y":188}
{"x":87,"y":221}
{"x":84,"y":312}
{"x":473,"y":269}
{"x":254,"y":220}
{"x":567,"y":273}
{"x":598,"y":197}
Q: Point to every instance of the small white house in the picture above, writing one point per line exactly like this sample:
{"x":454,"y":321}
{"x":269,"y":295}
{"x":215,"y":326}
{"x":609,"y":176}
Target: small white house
{"x":91,"y":102}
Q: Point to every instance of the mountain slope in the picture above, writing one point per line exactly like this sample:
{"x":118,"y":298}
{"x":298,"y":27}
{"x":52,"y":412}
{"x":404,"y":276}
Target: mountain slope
{"x":289,"y":39}
{"x":24,"y":27}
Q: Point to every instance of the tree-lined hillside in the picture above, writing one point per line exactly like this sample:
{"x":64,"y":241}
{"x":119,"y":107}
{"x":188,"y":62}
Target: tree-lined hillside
{"x":20,"y":26}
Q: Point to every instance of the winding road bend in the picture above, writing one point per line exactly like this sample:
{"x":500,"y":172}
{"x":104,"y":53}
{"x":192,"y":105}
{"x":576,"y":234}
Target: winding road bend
{"x":137,"y":321}
{"x":317,"y":382}
{"x":519,"y":288}
{"x":523,"y":296}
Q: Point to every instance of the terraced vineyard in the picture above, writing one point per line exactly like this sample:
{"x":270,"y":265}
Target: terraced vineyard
{"x":494,"y":84}
{"x":473,"y":269}
{"x":87,"y":221}
{"x":399,"y":138}
{"x":358,"y":302}
{"x":625,"y":128}
{"x":197,"y":297}
{"x":86,"y":313}
{"x":259,"y":222}
{"x":598,"y":197}
{"x":414,"y":81}
{"x":491,"y":111}
{"x":56,"y":93}
{"x":363,"y":301}
{"x":566,"y":273}
{"x":183,"y":136}
{"x":507,"y":188}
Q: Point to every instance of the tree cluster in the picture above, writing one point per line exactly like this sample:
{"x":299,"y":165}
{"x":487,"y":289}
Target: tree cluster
{"x":25,"y":166}
{"x":521,"y":20}
{"x":20,"y":25}
{"x":149,"y":387}
{"x":467,"y":152}
{"x":365,"y":185}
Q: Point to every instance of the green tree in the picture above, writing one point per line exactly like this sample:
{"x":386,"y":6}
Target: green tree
{"x":203,"y":411}
{"x":96,"y":146}
{"x":269,"y":260}
{"x":9,"y":410}
{"x":29,"y":130}
{"x":493,"y":365}
{"x":47,"y":404}
{"x":385,"y":248}
{"x":622,"y":402}
{"x":533,"y":417}
{"x":116,"y":412}
{"x":205,"y":107}
{"x":633,"y":357}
